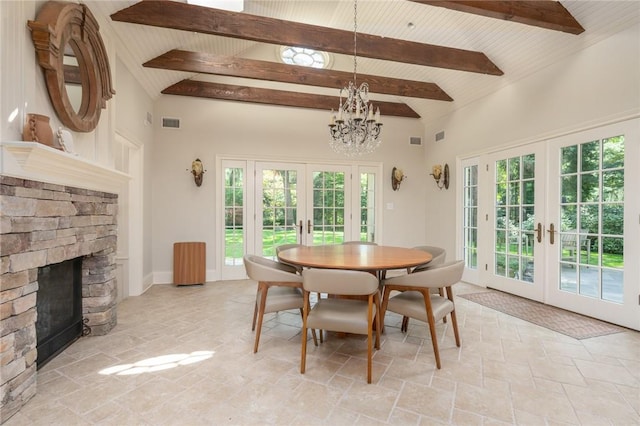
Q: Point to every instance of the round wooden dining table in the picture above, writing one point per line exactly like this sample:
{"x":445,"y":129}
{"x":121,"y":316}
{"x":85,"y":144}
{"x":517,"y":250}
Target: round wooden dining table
{"x":358,"y":257}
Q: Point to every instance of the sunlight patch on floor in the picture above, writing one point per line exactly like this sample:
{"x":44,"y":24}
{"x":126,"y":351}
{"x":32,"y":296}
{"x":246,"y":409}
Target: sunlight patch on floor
{"x":158,"y":363}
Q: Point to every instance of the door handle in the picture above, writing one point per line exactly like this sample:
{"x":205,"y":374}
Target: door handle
{"x":551,"y":232}
{"x":300,"y":229}
{"x":539,"y":232}
{"x":308,"y":226}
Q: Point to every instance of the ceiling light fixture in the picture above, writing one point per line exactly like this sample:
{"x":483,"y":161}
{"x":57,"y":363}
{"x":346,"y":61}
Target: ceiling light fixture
{"x":355,"y":129}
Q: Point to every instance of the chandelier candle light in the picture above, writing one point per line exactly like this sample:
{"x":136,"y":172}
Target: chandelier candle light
{"x":355,"y":129}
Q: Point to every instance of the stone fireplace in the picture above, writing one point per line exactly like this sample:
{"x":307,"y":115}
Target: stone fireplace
{"x":42,"y":224}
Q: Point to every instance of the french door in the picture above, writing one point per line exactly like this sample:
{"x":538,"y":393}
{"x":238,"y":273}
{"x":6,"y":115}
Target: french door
{"x":514,"y":215}
{"x":559,"y":222}
{"x":301,"y":203}
{"x":593,"y":223}
{"x":267,"y":204}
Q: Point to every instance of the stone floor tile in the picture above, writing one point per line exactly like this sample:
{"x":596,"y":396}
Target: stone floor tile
{"x":192,"y":363}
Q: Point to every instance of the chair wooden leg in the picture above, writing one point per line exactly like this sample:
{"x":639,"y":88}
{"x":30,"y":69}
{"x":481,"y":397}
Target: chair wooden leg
{"x":263,"y":288}
{"x":383,"y":308}
{"x":369,"y":355}
{"x":378,"y":321}
{"x":454,"y":319}
{"x":319,"y":295}
{"x":255,"y":310}
{"x":369,"y":339}
{"x":255,"y":316}
{"x":405,"y":324}
{"x":454,"y":323}
{"x":432,"y":327}
{"x":313,"y":331}
{"x":303,"y":352}
{"x":305,"y":312}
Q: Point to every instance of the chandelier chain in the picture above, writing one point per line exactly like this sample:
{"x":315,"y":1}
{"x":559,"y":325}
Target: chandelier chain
{"x":355,"y":40}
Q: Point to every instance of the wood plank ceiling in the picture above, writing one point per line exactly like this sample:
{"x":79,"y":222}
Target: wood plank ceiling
{"x":181,"y":16}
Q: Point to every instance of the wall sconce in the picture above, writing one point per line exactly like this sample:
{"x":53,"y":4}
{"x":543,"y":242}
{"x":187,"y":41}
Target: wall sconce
{"x":441,"y":177}
{"x":397,"y":176}
{"x":197,"y":170}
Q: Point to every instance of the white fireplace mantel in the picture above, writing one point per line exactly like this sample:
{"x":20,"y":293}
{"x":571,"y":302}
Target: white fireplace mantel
{"x":35,"y":161}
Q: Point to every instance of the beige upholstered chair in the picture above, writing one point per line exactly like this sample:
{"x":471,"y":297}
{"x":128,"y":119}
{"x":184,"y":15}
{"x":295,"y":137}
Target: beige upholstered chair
{"x":288,"y":246}
{"x":341,"y":311}
{"x":417,"y":301}
{"x":438,"y":257}
{"x":279,"y":289}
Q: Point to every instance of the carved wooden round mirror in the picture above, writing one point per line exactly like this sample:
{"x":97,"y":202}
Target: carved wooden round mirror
{"x":72,"y":76}
{"x":70,"y":51}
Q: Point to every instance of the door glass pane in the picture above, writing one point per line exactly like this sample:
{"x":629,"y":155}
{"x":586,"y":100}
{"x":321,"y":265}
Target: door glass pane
{"x":470,"y":216}
{"x":234,"y":216}
{"x":591,"y":234}
{"x":590,"y":156}
{"x":328,"y":207}
{"x":367,"y":207}
{"x":515,"y":215}
{"x":279,"y":208}
{"x":528,"y":166}
{"x":569,"y":184}
{"x":590,"y":190}
{"x":569,"y":156}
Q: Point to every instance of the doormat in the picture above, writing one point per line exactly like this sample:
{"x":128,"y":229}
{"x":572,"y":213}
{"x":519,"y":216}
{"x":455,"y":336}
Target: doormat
{"x":556,"y":319}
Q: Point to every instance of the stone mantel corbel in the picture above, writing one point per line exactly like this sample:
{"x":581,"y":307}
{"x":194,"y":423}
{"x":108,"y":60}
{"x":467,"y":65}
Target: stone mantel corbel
{"x":35,"y":161}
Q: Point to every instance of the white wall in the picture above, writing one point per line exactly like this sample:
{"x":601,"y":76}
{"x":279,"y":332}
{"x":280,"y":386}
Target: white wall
{"x":23,"y":90}
{"x":592,"y":87}
{"x":131,"y":110}
{"x":22,"y":86}
{"x":184,"y":212}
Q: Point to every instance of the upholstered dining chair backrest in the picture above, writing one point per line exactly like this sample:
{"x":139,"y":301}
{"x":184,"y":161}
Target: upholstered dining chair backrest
{"x":438,"y":257}
{"x":337,"y":281}
{"x":282,"y":247}
{"x":443,"y":275}
{"x":438,"y":254}
{"x":262,"y":269}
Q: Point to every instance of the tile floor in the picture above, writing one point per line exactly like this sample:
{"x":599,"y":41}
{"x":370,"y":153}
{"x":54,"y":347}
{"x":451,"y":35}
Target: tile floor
{"x":183,"y":356}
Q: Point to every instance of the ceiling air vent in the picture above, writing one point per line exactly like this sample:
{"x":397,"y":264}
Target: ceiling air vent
{"x":170,"y":123}
{"x":415,"y":140}
{"x":439,"y":136}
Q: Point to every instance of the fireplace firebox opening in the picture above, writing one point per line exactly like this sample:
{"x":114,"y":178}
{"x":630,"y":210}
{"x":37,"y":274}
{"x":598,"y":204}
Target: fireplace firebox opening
{"x":59,"y":306}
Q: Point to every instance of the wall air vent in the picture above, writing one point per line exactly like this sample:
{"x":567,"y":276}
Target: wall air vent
{"x":415,"y":140}
{"x":439,"y":136}
{"x":170,"y":123}
{"x":149,"y":120}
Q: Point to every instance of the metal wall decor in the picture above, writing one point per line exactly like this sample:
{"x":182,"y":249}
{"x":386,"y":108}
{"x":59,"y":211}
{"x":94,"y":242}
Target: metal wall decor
{"x":441,"y":176}
{"x":197,"y":170}
{"x":397,"y":176}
